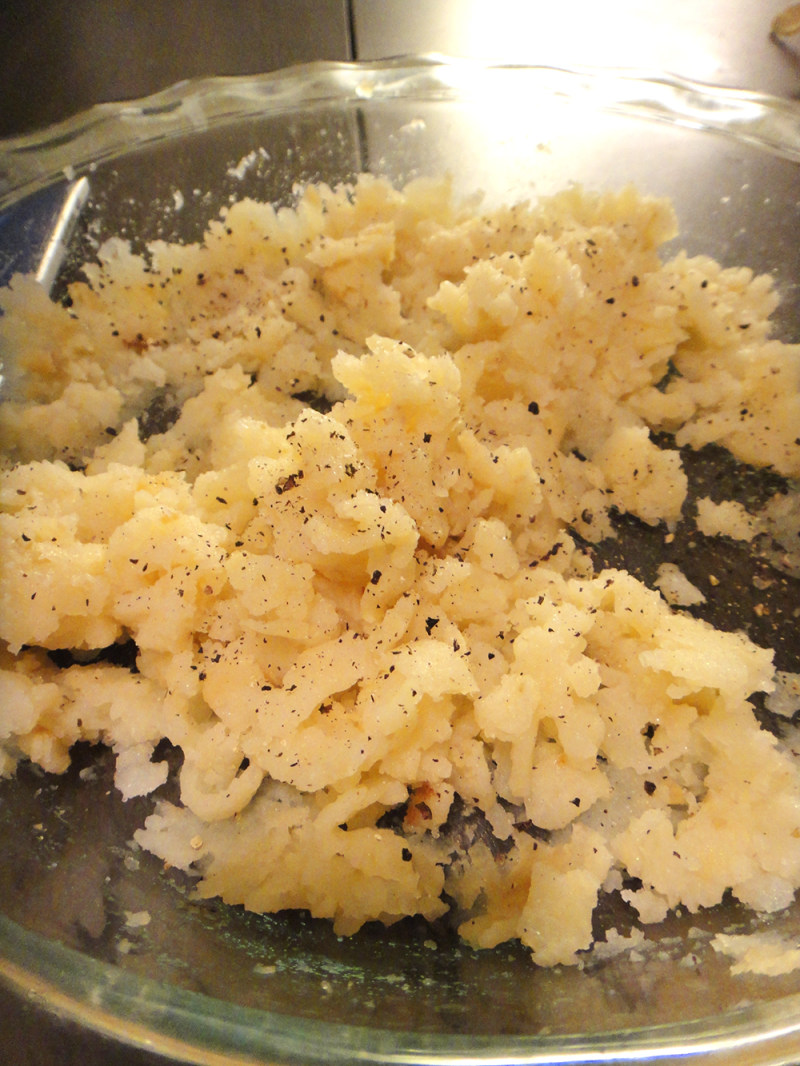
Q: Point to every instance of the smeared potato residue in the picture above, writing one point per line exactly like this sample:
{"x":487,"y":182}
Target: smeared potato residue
{"x":355,"y":617}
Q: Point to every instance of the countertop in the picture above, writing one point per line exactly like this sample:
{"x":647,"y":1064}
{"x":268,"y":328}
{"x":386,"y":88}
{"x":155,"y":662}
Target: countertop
{"x":57,"y":59}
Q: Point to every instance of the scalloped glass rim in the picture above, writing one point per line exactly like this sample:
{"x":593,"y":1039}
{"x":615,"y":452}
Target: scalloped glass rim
{"x":106,"y":131}
{"x":188,"y":1026}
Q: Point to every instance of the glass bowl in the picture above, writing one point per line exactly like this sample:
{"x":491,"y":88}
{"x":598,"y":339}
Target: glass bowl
{"x":205,"y":983}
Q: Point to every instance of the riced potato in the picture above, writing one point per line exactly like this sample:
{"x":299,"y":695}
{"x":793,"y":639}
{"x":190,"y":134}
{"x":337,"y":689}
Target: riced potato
{"x":333,"y":471}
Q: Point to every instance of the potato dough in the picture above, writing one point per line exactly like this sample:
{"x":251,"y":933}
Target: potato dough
{"x":330,"y":471}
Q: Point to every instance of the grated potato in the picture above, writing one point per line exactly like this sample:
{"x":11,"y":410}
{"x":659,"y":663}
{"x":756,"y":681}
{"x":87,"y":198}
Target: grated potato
{"x":331,"y":471}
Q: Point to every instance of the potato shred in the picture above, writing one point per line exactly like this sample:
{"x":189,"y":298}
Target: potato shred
{"x":330,"y":472}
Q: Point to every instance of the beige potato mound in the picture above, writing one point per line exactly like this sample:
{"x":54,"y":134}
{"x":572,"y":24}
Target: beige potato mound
{"x":382,"y":607}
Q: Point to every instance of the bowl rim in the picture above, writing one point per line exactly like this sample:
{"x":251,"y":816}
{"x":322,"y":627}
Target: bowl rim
{"x":105,"y":131}
{"x":187,"y":1025}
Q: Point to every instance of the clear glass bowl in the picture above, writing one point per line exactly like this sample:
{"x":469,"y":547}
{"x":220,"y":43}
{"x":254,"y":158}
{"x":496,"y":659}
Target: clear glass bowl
{"x":208,"y":984}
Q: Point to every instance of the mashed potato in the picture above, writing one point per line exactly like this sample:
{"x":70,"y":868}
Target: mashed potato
{"x":331,"y":471}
